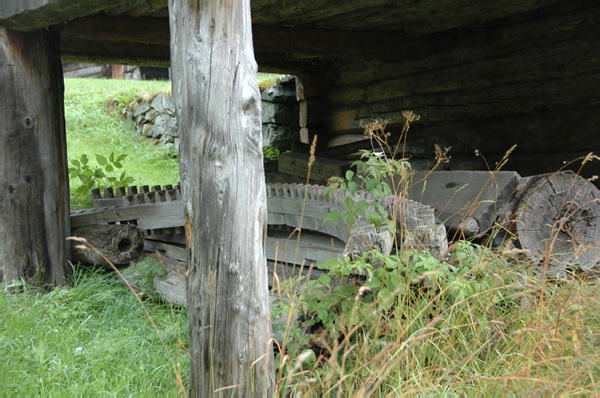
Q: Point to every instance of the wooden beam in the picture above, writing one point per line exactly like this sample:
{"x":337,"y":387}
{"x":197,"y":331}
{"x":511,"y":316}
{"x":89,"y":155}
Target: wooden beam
{"x":224,"y":198}
{"x":28,"y":15}
{"x":34,"y":183}
{"x":115,"y":52}
{"x":342,"y":43}
{"x":282,"y":49}
{"x":122,"y":29}
{"x":414,"y":17}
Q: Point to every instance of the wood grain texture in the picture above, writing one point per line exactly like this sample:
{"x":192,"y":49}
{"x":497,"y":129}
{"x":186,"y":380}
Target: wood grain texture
{"x":120,"y":244}
{"x":224,"y":196}
{"x":468,"y":201}
{"x":557,"y":217}
{"x":28,"y":15}
{"x":34,"y":203}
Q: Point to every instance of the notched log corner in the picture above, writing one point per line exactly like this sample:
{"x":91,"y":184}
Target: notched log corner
{"x":121,"y":244}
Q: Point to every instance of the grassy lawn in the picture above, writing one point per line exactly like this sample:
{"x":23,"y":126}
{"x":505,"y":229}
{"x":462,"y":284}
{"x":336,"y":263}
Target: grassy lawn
{"x":92,"y":338}
{"x":92,"y":130}
{"x":477,"y":324}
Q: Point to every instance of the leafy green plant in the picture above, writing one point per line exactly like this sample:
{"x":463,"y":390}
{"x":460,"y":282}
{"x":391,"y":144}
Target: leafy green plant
{"x":123,"y":101}
{"x":271,"y":153}
{"x":364,"y":193}
{"x":106,"y":174}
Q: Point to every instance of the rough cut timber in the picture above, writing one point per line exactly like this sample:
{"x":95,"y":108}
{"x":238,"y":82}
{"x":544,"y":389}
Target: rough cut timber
{"x":120,"y":244}
{"x":415,"y":18}
{"x":224,"y":197}
{"x":28,"y":15}
{"x":34,"y":203}
{"x":558,"y":218}
{"x":465,"y":201}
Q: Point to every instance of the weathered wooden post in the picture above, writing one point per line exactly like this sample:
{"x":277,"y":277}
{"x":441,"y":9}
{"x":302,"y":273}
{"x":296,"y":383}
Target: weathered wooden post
{"x":34,"y":203}
{"x":218,"y":110}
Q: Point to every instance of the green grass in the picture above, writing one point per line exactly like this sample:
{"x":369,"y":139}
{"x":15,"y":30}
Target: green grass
{"x":89,"y":339}
{"x":91,"y":130}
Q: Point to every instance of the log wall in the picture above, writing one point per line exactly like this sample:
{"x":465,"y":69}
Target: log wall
{"x":531,"y":80}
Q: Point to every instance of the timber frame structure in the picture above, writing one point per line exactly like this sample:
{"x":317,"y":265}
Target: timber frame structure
{"x":482,"y":75}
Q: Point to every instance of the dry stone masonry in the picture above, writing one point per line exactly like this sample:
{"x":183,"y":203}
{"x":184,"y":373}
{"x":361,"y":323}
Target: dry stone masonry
{"x":154,"y":117}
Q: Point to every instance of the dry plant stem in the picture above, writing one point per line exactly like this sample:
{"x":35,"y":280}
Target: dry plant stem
{"x":292,"y":314}
{"x":311,"y":160}
{"x":137,"y":296}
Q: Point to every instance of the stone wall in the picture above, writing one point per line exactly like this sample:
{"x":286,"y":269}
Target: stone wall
{"x":280,"y":124}
{"x":154,"y":117}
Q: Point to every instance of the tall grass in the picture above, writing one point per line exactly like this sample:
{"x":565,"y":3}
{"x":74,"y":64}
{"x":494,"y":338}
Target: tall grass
{"x":526,"y":337}
{"x":477,"y":322}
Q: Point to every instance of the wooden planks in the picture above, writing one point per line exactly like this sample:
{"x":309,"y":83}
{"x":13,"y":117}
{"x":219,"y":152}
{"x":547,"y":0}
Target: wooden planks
{"x":163,"y":215}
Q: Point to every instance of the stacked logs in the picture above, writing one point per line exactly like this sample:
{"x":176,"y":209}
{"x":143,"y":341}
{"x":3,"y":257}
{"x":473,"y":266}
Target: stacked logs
{"x":554,"y":217}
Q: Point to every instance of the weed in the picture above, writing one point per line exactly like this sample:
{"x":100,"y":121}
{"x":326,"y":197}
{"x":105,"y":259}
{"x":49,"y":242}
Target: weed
{"x":271,"y":153}
{"x":106,"y":174}
{"x":92,"y":338}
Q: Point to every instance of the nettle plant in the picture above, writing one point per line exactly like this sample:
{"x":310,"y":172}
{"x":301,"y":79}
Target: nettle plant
{"x":107,"y":173}
{"x":364,"y":193}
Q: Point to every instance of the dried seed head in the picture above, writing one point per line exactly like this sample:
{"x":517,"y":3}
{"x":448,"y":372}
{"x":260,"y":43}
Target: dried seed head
{"x":313,"y":149}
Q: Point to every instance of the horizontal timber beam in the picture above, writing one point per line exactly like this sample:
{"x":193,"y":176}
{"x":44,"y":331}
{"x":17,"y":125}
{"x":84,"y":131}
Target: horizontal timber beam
{"x":286,"y":49}
{"x":28,"y":15}
{"x":342,"y":43}
{"x":118,"y":28}
{"x":115,"y":52}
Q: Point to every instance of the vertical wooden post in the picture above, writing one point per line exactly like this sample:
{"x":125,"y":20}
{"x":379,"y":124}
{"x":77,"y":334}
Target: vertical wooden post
{"x":34,"y":198}
{"x":219,"y":116}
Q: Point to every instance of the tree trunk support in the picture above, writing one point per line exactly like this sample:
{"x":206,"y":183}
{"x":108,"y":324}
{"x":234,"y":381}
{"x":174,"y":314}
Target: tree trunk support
{"x":34,"y":205}
{"x":224,"y":195}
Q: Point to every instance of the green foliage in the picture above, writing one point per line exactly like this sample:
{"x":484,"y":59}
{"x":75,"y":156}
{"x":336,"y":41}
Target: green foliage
{"x":409,"y":323}
{"x":363,"y":193}
{"x":271,"y":153}
{"x":408,"y":278}
{"x":144,"y":273}
{"x":413,"y":323}
{"x":107,"y":173}
{"x":124,"y":100}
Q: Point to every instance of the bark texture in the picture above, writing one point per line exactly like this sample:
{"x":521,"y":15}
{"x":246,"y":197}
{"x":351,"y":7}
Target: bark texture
{"x":120,"y":244}
{"x":34,"y":198}
{"x":218,"y":109}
